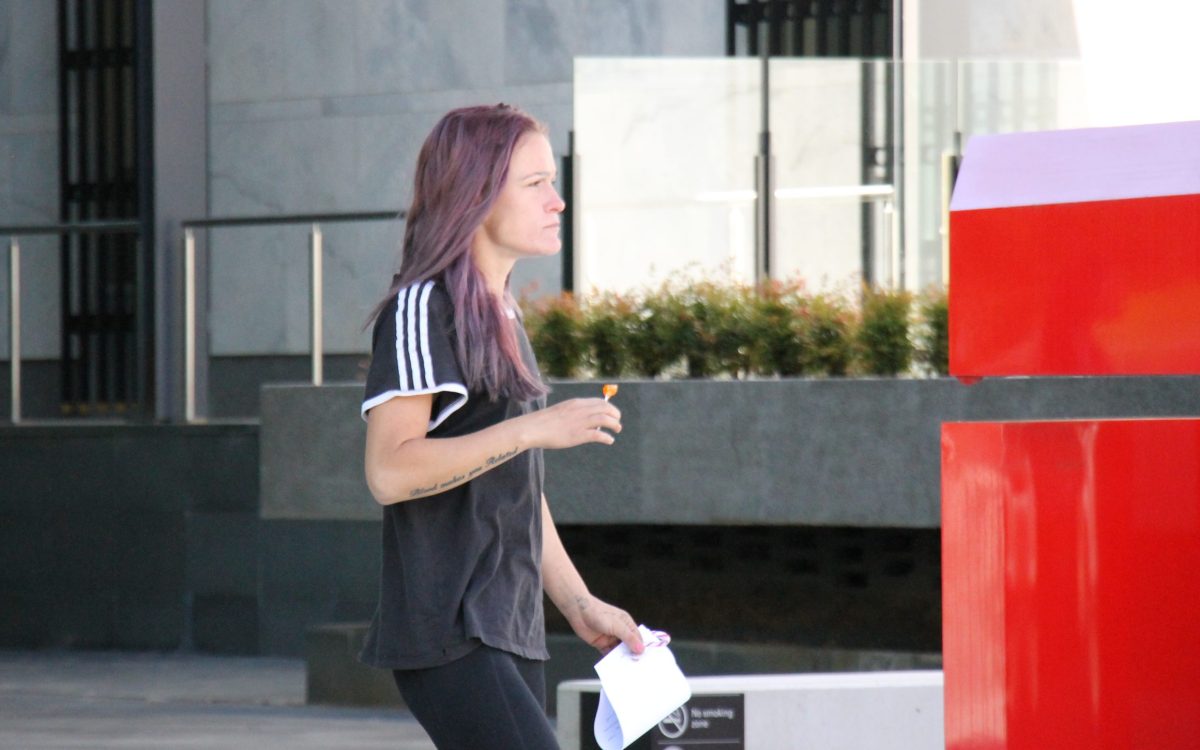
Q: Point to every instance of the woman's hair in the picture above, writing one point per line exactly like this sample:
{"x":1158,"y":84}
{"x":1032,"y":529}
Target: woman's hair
{"x":461,"y":169}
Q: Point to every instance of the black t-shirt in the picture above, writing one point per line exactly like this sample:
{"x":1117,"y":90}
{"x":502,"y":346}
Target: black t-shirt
{"x":464,"y":566}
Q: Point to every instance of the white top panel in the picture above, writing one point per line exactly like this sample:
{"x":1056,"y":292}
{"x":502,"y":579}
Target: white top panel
{"x":1075,"y":166}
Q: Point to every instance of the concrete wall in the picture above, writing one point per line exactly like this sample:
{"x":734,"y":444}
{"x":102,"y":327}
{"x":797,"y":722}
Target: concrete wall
{"x":129,"y":537}
{"x":150,"y":538}
{"x":808,"y":508}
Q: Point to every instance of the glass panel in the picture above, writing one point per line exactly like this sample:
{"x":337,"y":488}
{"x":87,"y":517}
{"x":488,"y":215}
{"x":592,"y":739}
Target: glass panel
{"x":666,"y":162}
{"x":827,"y":117}
{"x":665,"y":165}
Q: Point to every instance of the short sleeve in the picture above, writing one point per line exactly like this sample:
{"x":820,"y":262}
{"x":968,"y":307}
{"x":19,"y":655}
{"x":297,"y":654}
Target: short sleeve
{"x":413,"y":352}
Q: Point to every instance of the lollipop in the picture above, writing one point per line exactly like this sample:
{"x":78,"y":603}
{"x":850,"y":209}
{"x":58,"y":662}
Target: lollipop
{"x":610,"y":390}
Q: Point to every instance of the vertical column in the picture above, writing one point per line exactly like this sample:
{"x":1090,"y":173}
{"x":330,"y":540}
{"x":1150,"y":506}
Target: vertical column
{"x":14,"y":325}
{"x":179,"y":179}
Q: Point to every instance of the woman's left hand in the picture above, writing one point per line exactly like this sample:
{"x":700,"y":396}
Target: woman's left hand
{"x":604,"y":626}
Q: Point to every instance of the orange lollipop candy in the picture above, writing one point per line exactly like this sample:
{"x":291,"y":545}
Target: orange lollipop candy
{"x":610,"y":390}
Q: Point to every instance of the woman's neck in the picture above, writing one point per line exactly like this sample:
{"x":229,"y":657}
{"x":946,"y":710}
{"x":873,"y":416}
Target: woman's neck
{"x":493,"y":265}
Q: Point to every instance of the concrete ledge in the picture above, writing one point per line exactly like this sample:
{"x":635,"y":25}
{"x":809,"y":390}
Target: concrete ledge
{"x":866,"y":709}
{"x":336,"y":677}
{"x":833,"y":452}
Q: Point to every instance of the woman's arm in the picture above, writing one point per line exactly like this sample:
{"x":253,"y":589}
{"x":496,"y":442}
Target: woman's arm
{"x":595,"y":621}
{"x":403,"y":464}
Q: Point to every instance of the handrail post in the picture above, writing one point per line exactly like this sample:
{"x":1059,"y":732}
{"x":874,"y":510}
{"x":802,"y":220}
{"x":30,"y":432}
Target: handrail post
{"x":189,"y":324}
{"x":316,"y":290}
{"x":14,"y":325}
{"x":892,"y":232}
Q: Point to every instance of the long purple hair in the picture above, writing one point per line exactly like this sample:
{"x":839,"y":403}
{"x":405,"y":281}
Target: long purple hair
{"x":461,"y":169}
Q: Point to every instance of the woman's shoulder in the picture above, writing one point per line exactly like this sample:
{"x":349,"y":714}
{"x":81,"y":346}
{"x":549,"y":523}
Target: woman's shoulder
{"x":421,"y":300}
{"x":425,"y":296}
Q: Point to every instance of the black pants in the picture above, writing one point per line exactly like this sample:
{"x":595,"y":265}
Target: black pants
{"x":487,"y":700}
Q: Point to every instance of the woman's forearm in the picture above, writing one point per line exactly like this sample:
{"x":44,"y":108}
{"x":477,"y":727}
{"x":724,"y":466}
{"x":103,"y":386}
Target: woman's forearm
{"x":402,"y":463}
{"x":595,"y":621}
{"x":560,"y":579}
{"x":425,"y":466}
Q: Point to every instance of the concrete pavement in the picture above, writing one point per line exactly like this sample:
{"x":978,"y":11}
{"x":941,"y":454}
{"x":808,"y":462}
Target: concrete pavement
{"x":106,"y":700}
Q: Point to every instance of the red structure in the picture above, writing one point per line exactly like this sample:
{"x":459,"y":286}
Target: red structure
{"x":1077,"y":252}
{"x":1071,"y":584}
{"x":1071,"y":549}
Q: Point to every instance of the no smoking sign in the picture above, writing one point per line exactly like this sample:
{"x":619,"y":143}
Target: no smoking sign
{"x":711,"y":722}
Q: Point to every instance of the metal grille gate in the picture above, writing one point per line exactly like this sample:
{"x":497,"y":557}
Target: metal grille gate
{"x":832,"y":28}
{"x":99,"y":168}
{"x":810,"y":28}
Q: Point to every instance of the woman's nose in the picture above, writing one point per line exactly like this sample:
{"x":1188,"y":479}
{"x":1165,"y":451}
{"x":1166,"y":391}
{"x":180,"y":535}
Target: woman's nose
{"x":556,"y":205}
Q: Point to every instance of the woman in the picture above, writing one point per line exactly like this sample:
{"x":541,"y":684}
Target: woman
{"x":456,"y":426}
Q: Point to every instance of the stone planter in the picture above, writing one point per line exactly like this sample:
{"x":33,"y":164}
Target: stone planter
{"x":846,"y":452}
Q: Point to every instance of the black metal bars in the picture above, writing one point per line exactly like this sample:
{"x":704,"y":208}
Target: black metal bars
{"x":102,"y":284}
{"x":809,"y":28}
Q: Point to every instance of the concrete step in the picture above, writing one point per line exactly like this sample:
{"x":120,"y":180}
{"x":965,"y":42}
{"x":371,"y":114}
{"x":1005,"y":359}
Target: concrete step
{"x":336,"y":677}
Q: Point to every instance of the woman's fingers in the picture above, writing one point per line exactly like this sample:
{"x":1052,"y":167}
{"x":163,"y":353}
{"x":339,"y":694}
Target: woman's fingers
{"x":631,"y":636}
{"x":608,"y":422}
{"x":578,"y":421}
{"x":616,"y":626}
{"x":593,"y":416}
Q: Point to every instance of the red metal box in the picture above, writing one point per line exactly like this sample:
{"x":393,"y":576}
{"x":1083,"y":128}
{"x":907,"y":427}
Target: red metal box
{"x":1077,"y":252}
{"x":1071,"y":584}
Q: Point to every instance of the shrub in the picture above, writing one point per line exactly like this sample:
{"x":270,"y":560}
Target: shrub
{"x":778,"y":330}
{"x":933,"y":333}
{"x":710,"y":329}
{"x":700,"y":311}
{"x":732,"y":331}
{"x":554,"y":326}
{"x":660,"y":332}
{"x":830,"y":325}
{"x":717,"y":330}
{"x":884,"y":347}
{"x":607,"y":323}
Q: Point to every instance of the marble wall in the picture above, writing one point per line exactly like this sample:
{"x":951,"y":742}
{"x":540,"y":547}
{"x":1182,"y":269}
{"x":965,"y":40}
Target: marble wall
{"x":321,"y":105}
{"x":29,"y":168}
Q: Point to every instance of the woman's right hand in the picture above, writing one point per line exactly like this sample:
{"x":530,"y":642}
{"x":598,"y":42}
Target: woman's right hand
{"x":573,"y":422}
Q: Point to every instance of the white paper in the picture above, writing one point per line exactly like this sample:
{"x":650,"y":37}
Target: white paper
{"x":637,"y":692}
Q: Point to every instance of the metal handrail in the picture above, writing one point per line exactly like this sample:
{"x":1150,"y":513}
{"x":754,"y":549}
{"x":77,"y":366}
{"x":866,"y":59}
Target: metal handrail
{"x":316,"y":283}
{"x":14,"y":232}
{"x":262,"y":221}
{"x":117,"y":226}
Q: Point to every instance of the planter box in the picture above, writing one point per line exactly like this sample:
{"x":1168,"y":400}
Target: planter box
{"x":846,"y":452}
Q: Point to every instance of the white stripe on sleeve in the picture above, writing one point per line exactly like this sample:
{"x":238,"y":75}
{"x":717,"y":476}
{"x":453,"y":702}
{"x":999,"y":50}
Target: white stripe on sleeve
{"x":414,"y":310}
{"x":401,"y":366}
{"x":429,"y":380}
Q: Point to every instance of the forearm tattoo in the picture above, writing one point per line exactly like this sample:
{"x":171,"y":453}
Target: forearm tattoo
{"x":457,"y":479}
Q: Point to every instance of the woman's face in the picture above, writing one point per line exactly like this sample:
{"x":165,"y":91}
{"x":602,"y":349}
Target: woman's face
{"x":524,"y":221}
